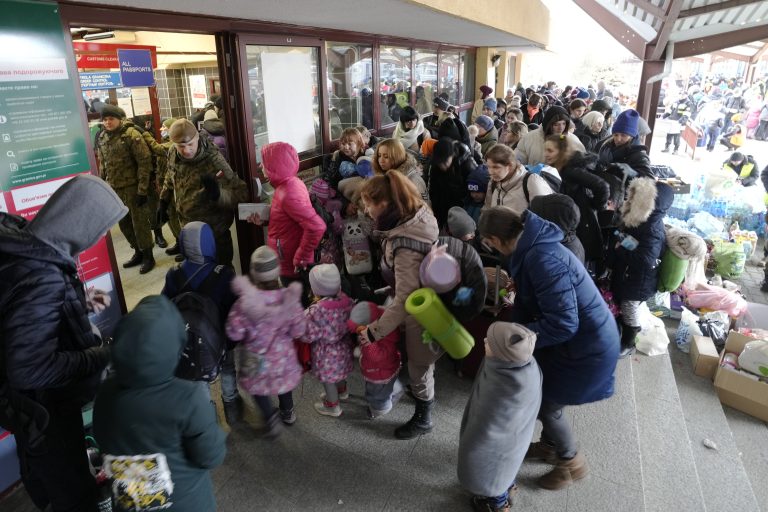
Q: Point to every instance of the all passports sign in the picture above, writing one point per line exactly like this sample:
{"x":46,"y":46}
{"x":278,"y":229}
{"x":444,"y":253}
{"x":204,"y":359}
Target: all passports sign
{"x":136,"y":68}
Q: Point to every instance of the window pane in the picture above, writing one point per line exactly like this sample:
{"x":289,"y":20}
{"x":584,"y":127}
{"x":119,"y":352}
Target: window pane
{"x":426,"y":80}
{"x":283,"y":85}
{"x":449,"y":77}
{"x":468,"y":85}
{"x":350,"y":86}
{"x":395,"y":76}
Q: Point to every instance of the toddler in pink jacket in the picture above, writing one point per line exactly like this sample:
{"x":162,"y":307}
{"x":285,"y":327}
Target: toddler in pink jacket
{"x":331,"y":341}
{"x":266,"y":319}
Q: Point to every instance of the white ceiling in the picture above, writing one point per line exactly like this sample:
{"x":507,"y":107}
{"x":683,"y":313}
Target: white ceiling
{"x":385,"y":17}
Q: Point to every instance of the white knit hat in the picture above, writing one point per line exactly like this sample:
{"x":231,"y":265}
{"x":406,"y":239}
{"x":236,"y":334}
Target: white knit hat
{"x":264,"y":265}
{"x":325,"y":280}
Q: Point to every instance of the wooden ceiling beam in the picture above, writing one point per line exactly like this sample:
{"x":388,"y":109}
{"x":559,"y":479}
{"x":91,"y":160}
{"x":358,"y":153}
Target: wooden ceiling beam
{"x":721,"y":6}
{"x":620,"y":31}
{"x":671,"y":15}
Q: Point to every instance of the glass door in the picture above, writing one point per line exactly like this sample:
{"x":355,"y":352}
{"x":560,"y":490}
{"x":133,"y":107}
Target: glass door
{"x":281,"y":95}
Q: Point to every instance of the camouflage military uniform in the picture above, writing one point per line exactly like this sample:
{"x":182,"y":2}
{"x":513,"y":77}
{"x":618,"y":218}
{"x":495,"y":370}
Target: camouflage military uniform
{"x":184,"y":186}
{"x":160,"y":155}
{"x":126,"y":164}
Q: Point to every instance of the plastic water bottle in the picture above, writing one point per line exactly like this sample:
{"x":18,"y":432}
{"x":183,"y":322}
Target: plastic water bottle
{"x":628,"y":242}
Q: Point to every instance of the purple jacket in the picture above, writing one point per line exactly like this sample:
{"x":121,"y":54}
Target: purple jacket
{"x":267,"y":322}
{"x":330,"y":338}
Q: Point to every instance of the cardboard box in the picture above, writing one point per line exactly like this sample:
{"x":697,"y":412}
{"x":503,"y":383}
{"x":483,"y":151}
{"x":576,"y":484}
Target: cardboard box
{"x":704,"y":356}
{"x":739,"y":390}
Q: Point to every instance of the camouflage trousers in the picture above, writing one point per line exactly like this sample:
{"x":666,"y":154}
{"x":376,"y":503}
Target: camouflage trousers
{"x":138,"y":224}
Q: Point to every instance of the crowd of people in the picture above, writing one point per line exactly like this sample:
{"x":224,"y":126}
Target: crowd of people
{"x":553,"y":186}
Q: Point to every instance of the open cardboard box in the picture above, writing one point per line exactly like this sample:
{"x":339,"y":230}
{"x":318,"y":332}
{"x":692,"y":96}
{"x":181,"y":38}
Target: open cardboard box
{"x":739,"y":390}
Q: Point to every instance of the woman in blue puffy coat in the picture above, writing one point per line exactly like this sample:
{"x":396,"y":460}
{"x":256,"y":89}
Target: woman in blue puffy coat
{"x":577,"y":339}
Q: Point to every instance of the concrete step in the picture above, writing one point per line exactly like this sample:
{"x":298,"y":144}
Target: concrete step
{"x":670,"y":477}
{"x":724,"y":481}
{"x":751,"y":436}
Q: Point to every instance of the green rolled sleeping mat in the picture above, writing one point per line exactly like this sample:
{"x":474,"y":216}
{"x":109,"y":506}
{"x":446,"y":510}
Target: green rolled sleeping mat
{"x":671,"y":271}
{"x":427,"y":308}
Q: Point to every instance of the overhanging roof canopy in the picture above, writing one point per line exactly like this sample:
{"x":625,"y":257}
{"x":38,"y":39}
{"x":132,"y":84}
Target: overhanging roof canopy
{"x":645,"y":27}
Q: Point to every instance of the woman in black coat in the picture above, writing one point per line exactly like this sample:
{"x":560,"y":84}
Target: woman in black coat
{"x":588,"y":191}
{"x":619,"y":149}
{"x":592,"y":131}
{"x":452,"y":162}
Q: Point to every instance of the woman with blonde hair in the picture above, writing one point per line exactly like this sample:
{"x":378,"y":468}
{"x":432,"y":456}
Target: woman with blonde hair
{"x":390,"y":154}
{"x":399,"y":211}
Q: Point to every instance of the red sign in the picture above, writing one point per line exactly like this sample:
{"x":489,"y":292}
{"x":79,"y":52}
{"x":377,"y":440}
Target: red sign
{"x":104,"y":56}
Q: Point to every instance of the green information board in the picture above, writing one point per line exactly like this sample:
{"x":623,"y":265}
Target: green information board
{"x":41,"y":132}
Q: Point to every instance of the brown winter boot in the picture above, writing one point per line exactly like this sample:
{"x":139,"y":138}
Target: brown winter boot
{"x":565,"y":472}
{"x":541,"y":451}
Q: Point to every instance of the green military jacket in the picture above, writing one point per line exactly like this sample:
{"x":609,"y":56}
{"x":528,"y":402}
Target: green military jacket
{"x":124,"y":159}
{"x":183,"y":184}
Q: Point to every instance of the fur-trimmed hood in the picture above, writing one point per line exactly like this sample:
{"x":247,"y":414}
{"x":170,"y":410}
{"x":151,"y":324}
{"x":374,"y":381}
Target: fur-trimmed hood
{"x":259,"y":304}
{"x":640,"y":202}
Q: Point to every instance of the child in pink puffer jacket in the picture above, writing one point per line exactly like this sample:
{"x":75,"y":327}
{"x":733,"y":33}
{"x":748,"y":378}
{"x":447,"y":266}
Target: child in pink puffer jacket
{"x":327,"y":332}
{"x":266,"y":319}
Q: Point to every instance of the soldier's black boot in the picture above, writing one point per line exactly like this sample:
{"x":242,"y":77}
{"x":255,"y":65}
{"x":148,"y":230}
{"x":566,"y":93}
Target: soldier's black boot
{"x":174,"y":249}
{"x":135,"y":259}
{"x":159,"y":239}
{"x":147,"y":261}
{"x":420,"y":423}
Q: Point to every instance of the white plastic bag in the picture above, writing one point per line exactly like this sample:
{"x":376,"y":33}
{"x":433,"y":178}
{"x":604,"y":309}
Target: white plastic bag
{"x":688,"y":327}
{"x":652,"y":339}
{"x":754,"y":358}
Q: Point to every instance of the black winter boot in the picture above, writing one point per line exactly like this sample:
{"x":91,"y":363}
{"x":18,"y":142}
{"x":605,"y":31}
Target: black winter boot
{"x":159,"y":238}
{"x":233,"y":410}
{"x":420,"y":423}
{"x":174,"y":249}
{"x":135,"y":259}
{"x":628,"y":335}
{"x":147,"y":261}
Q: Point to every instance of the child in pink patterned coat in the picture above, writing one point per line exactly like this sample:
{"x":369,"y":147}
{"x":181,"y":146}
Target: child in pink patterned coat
{"x":331,"y":341}
{"x":266,"y":318}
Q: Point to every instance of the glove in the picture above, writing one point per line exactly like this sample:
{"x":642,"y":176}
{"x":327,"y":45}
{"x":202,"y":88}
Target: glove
{"x":161,"y":217}
{"x":212,"y":189}
{"x":141,"y":200}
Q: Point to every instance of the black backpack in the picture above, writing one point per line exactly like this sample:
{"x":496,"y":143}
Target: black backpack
{"x":206,"y":342}
{"x":472,"y":274}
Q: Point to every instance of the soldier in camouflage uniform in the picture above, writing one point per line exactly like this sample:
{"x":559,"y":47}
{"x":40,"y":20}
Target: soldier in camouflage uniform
{"x":202,"y":185}
{"x":161,"y":158}
{"x":125,"y":162}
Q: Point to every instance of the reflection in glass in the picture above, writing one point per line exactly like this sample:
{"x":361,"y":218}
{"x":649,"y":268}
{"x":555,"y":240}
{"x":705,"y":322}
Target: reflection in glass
{"x":395,"y":86}
{"x":283,"y":87}
{"x":350,"y":86}
{"x":448,"y":77}
{"x":468,"y":85}
{"x":426,"y":80}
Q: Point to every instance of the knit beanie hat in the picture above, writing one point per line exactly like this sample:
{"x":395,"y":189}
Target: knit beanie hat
{"x":363,"y":313}
{"x":485,"y":122}
{"x":264,"y":265}
{"x":182,"y":131}
{"x":364,"y":167}
{"x":515,"y":102}
{"x":440,"y":103}
{"x":428,"y":147}
{"x":485,"y":89}
{"x":112,"y":111}
{"x":408,"y":114}
{"x":460,"y":224}
{"x":490,"y":103}
{"x":321,"y":190}
{"x":511,"y":342}
{"x":627,"y":123}
{"x":443,"y":150}
{"x":325,"y":280}
{"x":210,"y":114}
{"x":478,"y":179}
{"x":168,"y":122}
{"x":601,"y":106}
{"x":580,"y":93}
{"x":736,"y":157}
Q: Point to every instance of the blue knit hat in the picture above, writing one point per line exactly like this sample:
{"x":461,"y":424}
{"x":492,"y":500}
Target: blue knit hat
{"x":490,"y":103}
{"x":627,"y":123}
{"x":484,"y":122}
{"x":478,"y":179}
